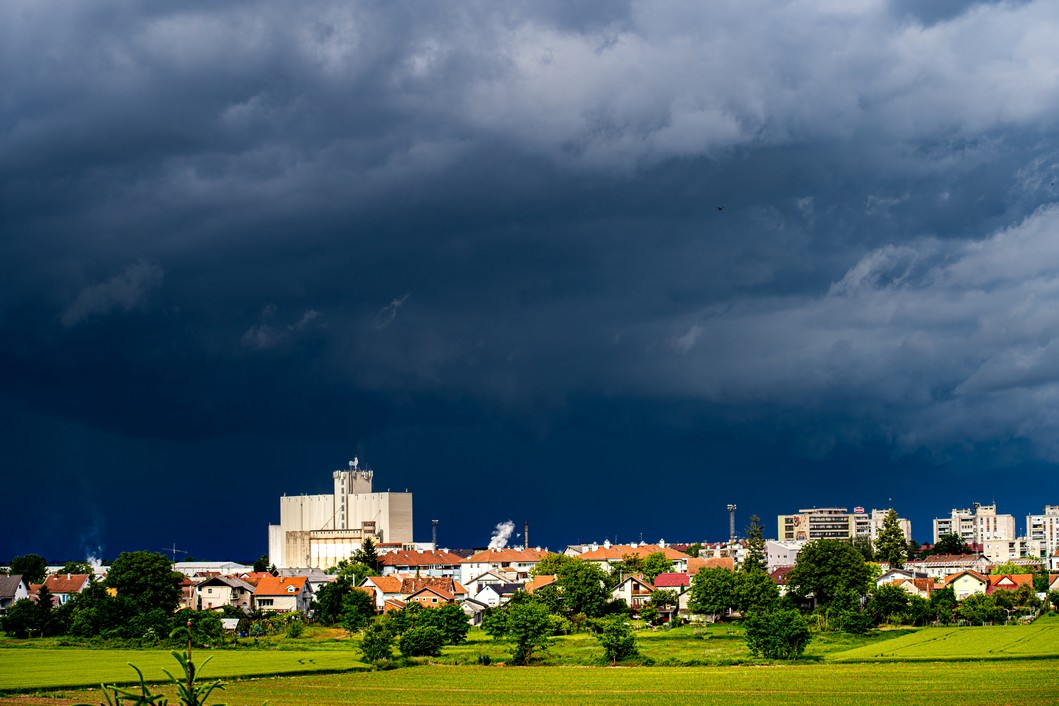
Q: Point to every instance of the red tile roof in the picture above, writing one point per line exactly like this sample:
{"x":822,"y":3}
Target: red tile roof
{"x":419,"y":558}
{"x":414,"y":585}
{"x":386,"y":584}
{"x":673,"y":580}
{"x":724,"y":562}
{"x":280,"y":585}
{"x":969,"y":572}
{"x":539,"y":582}
{"x":505,"y":556}
{"x":441,"y":593}
{"x":617,"y":552}
{"x":66,"y":583}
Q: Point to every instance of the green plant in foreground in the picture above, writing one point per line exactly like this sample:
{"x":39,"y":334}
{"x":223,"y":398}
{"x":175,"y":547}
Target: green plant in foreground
{"x":190,"y":692}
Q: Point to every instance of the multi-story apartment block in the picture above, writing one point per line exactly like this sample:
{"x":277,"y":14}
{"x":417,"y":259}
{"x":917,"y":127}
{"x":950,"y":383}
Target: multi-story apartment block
{"x":834,"y":523}
{"x":1042,"y":532}
{"x":979,"y":525}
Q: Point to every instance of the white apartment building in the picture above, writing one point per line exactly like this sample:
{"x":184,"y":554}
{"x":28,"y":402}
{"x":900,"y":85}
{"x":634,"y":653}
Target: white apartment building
{"x":320,"y":530}
{"x":835,"y":523}
{"x":979,"y":525}
{"x":1042,"y":532}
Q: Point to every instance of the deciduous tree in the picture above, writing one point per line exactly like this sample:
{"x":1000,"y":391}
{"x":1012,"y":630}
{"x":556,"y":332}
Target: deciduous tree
{"x":654,"y":564}
{"x":617,"y":640}
{"x":147,"y":579}
{"x":32,"y":567}
{"x":777,"y":634}
{"x":830,"y":570}
{"x":712,"y":591}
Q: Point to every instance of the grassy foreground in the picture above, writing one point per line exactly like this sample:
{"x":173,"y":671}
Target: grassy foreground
{"x":66,"y":667}
{"x":1025,"y":682}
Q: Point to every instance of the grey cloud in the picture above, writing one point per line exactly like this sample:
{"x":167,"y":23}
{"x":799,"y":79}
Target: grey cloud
{"x":388,"y":313}
{"x":266,"y":335}
{"x":127,"y":290}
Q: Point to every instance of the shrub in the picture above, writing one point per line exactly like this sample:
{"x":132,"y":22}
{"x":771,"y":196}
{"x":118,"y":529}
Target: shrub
{"x":295,"y":628}
{"x":617,"y":640}
{"x":779,"y":634}
{"x":423,"y":641}
{"x":377,"y":644}
{"x":855,"y":622}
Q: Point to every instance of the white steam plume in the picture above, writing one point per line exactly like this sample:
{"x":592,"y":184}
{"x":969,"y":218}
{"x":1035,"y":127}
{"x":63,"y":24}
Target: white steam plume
{"x":501,"y":534}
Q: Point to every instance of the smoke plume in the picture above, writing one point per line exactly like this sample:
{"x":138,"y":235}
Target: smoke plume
{"x":501,"y":534}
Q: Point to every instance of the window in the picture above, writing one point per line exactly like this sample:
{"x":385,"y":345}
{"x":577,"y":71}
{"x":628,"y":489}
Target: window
{"x":433,"y":600}
{"x":264,"y":602}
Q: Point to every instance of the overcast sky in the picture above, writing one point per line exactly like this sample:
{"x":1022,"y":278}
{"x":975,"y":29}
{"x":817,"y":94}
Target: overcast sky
{"x":600,"y":268}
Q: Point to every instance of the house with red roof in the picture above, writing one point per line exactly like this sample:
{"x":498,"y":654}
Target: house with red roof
{"x":425,"y":562}
{"x":697,"y":564}
{"x":514,"y":563}
{"x":430,"y":597}
{"x":63,"y":587}
{"x":607,"y":555}
{"x":1008,"y":582}
{"x":538,"y":582}
{"x":967,"y":583}
{"x":283,"y":594}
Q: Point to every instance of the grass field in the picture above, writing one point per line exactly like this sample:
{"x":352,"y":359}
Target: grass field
{"x":1016,"y":664}
{"x":1027,"y":683}
{"x":1024,"y":641}
{"x":69,"y":667}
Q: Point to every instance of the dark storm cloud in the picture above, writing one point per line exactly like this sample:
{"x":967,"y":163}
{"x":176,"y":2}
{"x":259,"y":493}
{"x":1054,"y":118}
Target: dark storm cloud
{"x":828,"y":223}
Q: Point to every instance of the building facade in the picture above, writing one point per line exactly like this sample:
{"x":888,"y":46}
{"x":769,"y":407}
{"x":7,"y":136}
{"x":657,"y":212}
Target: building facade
{"x":978,"y":525}
{"x":835,"y":523}
{"x":319,"y":531}
{"x":1042,"y":532}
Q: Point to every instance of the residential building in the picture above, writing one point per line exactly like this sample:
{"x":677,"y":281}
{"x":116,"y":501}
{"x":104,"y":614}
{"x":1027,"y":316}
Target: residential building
{"x":967,"y":583}
{"x":607,"y":554}
{"x":942,"y":565}
{"x":978,"y":525}
{"x":430,"y":597}
{"x":283,"y":594}
{"x":513,"y":563}
{"x":834,"y":523}
{"x":321,"y":530}
{"x":634,"y":591}
{"x":12,"y":590}
{"x":426,"y":562}
{"x":1008,"y":582}
{"x":63,"y":587}
{"x":779,"y":554}
{"x":1043,"y":531}
{"x":219,"y":591}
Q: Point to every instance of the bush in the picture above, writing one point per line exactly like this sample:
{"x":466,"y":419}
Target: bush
{"x":377,"y":644}
{"x":295,"y":628}
{"x":425,"y":641}
{"x":855,"y":622}
{"x":779,"y":634}
{"x":617,"y":640}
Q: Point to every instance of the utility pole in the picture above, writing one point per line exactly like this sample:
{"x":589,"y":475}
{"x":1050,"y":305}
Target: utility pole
{"x":434,"y":533}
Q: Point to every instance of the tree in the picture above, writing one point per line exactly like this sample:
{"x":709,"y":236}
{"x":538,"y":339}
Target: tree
{"x":1053,"y":598}
{"x":32,"y":567}
{"x":918,"y":611}
{"x":77,"y":567}
{"x":582,"y":586}
{"x":367,"y":554}
{"x":980,"y":608}
{"x":552,"y":564}
{"x":912,"y":550}
{"x":1010,"y":568}
{"x":694,"y":549}
{"x":526,"y":623}
{"x":654,"y":564}
{"x":45,"y":606}
{"x":261,"y":565}
{"x":630,"y":565}
{"x":617,"y":640}
{"x":754,"y":591}
{"x":886,"y":602}
{"x":357,"y":609}
{"x":22,"y":619}
{"x":830,"y":570}
{"x":951,"y":544}
{"x":449,"y":619}
{"x":377,"y":644}
{"x":425,"y":641}
{"x":147,"y":579}
{"x":864,"y":546}
{"x":778,"y":634}
{"x":891,"y":545}
{"x":328,"y":605}
{"x":943,"y":604}
{"x":755,"y":559}
{"x":712,"y":591}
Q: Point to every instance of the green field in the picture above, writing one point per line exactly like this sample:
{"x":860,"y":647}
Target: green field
{"x":1027,"y":683}
{"x":985,"y":665}
{"x":30,"y":668}
{"x":1003,"y":642}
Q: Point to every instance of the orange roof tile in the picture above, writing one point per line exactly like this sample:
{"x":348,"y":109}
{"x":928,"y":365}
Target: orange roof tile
{"x":386,"y":584}
{"x":66,"y":583}
{"x":696,"y":564}
{"x":1016,"y":579}
{"x":505,"y":556}
{"x":539,"y":582}
{"x":280,"y":585}
{"x":416,"y":558}
{"x":617,"y":552}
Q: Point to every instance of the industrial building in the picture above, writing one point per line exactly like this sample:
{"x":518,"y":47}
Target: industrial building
{"x":318,"y":531}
